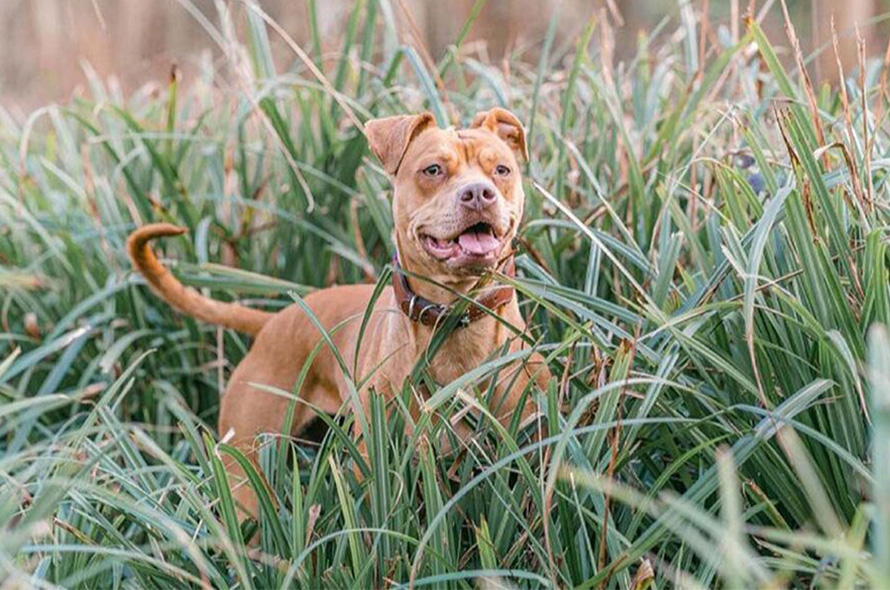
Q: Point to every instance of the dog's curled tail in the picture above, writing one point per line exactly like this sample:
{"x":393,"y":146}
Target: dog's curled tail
{"x":182,"y":298}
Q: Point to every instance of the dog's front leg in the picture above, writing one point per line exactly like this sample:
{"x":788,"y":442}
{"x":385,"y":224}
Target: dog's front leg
{"x":530,"y":376}
{"x":247,"y":412}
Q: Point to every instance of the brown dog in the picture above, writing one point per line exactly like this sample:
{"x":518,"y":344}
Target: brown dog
{"x":457,"y":202}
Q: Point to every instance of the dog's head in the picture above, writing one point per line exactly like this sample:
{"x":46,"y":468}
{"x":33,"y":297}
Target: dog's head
{"x":458,"y":194}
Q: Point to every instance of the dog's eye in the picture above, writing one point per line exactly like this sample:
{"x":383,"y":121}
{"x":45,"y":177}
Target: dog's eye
{"x":502,"y":170}
{"x":432,"y":170}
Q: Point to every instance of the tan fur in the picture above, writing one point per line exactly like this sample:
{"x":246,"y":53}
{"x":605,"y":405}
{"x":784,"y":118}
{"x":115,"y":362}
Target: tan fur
{"x":392,"y":344}
{"x":184,"y":299}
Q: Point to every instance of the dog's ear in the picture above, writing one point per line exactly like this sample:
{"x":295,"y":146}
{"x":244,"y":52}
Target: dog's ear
{"x":506,"y":126}
{"x":389,"y":137}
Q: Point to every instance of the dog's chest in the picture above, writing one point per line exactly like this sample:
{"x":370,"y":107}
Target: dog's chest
{"x":464,"y":350}
{"x":404,"y":344}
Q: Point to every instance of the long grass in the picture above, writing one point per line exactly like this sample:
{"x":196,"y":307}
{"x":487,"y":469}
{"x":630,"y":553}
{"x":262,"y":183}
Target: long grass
{"x":703,"y":258}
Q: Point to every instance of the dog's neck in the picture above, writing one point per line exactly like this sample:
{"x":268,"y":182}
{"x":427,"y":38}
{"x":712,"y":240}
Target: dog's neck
{"x":486,"y":299}
{"x":468,"y":345}
{"x":443,"y":290}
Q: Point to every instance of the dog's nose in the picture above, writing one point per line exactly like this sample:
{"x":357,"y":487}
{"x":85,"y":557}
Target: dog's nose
{"x":478,"y":195}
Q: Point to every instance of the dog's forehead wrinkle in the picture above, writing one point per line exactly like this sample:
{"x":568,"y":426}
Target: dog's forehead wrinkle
{"x":442,"y":154}
{"x":468,"y":146}
{"x":479,"y":144}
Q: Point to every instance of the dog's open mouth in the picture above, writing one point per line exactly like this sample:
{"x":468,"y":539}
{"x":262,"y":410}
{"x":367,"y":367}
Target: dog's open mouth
{"x":478,"y":243}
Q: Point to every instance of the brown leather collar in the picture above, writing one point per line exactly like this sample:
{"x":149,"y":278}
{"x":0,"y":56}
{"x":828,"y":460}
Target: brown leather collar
{"x":423,"y":311}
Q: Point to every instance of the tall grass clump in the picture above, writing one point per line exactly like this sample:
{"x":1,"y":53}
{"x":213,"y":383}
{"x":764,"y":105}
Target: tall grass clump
{"x":703,"y":262}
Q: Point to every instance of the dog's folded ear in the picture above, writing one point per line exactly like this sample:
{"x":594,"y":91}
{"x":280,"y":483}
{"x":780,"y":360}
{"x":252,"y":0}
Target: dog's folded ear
{"x":390,"y":137}
{"x":506,"y":126}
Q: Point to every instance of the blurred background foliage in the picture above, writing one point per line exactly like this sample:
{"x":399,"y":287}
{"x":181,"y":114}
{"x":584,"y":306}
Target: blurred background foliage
{"x":46,"y":44}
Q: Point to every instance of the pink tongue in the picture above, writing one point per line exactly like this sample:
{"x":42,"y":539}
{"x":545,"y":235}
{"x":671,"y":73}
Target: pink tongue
{"x":476,"y":242}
